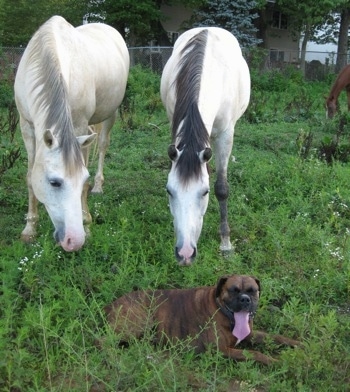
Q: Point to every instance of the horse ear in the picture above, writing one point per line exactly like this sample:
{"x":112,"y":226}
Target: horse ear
{"x":173,"y":152}
{"x":205,"y":155}
{"x":49,"y":139}
{"x":86,"y":140}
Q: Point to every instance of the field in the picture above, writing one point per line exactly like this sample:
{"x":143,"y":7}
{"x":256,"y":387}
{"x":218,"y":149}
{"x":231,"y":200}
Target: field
{"x":289,"y":212}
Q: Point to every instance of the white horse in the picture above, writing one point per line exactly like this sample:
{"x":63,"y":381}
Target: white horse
{"x":205,"y":88}
{"x":68,"y":80}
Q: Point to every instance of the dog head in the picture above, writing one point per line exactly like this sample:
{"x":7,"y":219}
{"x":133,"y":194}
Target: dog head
{"x":238,"y":293}
{"x":237,"y":297}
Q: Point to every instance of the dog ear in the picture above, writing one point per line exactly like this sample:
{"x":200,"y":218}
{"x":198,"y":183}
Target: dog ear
{"x":257,"y":282}
{"x":219,"y":285}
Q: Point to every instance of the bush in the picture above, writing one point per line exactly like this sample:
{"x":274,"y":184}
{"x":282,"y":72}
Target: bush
{"x":143,"y":88}
{"x":9,"y":149}
{"x":6,"y":94}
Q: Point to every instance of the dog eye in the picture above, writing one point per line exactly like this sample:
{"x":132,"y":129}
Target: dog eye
{"x":234,"y":290}
{"x":251,"y":290}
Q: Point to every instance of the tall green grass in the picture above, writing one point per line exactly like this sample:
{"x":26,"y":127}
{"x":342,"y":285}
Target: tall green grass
{"x":289,"y":217}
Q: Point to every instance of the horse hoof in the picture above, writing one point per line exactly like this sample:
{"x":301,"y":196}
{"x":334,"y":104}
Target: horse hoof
{"x":96,"y":190}
{"x":226,"y":252}
{"x":87,"y":232}
{"x":28,"y":239}
{"x":226,"y":249}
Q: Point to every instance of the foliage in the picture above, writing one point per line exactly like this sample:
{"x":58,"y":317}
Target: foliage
{"x":336,"y":146}
{"x":138,"y":21}
{"x":306,"y":18}
{"x":132,"y":19}
{"x":268,"y":87}
{"x":234,"y":16}
{"x":290,"y":227}
{"x":308,"y":15}
{"x":6,"y":80}
{"x":16,"y":28}
{"x":143,"y":88}
{"x":9,"y":149}
{"x":6,"y":94}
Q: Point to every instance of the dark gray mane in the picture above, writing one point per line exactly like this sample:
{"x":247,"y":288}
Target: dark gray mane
{"x":193,"y":135}
{"x":53,"y":96}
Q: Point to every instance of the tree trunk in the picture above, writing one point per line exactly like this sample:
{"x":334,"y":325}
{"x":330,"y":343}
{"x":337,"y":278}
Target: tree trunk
{"x":342,"y":53}
{"x":303,"y":50}
{"x":262,"y":24}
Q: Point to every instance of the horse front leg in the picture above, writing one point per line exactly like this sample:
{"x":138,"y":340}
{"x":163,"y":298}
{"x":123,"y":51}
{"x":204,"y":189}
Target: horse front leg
{"x":87,"y":219}
{"x":222,"y":193}
{"x":222,"y":149}
{"x":103,"y":144}
{"x":29,"y":232}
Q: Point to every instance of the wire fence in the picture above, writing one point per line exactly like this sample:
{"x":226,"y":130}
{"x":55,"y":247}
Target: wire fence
{"x":318,"y":64}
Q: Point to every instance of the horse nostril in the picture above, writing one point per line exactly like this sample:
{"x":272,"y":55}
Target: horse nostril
{"x":178,"y":257}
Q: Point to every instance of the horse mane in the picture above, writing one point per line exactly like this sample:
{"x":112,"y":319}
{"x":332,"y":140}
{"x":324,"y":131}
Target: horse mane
{"x":187,"y":124}
{"x":53,"y":95}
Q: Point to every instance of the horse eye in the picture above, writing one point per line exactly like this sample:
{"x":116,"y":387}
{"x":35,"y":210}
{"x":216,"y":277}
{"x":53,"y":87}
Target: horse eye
{"x":56,"y":183}
{"x":205,"y":193}
{"x":168,"y":192}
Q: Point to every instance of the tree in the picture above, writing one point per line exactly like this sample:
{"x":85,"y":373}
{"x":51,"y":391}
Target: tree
{"x":343,"y":45}
{"x":138,"y":21}
{"x":16,"y":27}
{"x":135,"y":20}
{"x":306,"y":17}
{"x":234,"y":16}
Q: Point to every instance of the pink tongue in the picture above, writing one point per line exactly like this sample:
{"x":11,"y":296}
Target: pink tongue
{"x":241,"y":329}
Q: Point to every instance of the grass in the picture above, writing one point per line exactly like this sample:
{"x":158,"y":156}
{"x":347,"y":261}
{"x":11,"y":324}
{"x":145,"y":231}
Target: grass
{"x":289,"y":218}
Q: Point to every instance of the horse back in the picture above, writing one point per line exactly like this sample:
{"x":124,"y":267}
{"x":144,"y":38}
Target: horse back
{"x":90,"y":62}
{"x":224,"y":82}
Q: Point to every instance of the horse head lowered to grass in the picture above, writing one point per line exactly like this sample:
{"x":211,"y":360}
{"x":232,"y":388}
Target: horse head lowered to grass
{"x":68,"y":80}
{"x":205,"y":88}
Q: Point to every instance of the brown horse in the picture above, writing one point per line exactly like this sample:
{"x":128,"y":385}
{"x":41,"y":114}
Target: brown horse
{"x":342,"y":82}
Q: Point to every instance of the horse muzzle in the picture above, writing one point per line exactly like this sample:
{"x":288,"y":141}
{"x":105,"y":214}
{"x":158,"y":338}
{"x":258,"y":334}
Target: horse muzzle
{"x":186,"y":255}
{"x":69,"y":242}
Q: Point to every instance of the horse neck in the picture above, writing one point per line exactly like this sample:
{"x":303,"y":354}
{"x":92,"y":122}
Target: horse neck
{"x":335,"y":91}
{"x":53,"y":98}
{"x":341,"y":82}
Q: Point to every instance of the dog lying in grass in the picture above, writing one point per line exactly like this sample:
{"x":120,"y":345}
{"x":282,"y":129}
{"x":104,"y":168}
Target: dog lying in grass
{"x":220,"y":315}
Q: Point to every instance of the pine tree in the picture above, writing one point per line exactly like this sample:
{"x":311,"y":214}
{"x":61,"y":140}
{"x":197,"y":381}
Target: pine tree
{"x":235,"y":16}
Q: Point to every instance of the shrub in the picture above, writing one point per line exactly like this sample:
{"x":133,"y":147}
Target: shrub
{"x":9,"y":149}
{"x":143,"y":89}
{"x":6,"y":94}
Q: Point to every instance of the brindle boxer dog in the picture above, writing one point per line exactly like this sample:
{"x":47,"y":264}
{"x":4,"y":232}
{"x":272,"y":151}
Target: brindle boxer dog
{"x":220,"y":315}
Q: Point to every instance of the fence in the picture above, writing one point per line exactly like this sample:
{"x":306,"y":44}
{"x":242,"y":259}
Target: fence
{"x":318,"y":65}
